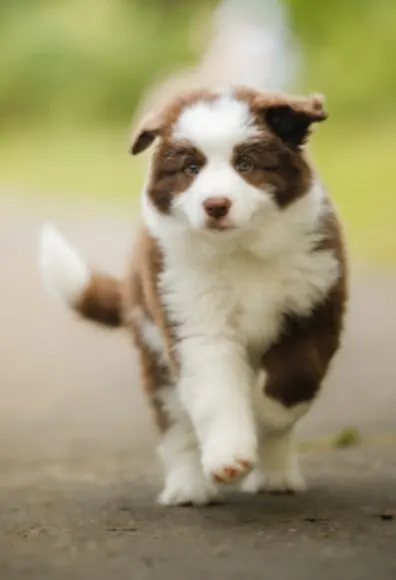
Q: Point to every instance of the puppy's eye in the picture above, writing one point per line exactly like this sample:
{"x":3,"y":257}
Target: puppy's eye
{"x":243,"y":165}
{"x":192,"y":168}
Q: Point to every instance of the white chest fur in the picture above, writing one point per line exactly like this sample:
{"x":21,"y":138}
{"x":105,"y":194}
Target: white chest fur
{"x":241,"y":296}
{"x":239,"y":288}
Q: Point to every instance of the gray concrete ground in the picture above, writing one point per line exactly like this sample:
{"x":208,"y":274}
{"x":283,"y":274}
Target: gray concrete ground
{"x":78,"y":475}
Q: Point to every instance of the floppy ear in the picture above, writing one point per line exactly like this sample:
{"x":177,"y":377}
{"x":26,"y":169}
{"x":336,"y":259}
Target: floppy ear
{"x":146,"y":133}
{"x":291,"y":118}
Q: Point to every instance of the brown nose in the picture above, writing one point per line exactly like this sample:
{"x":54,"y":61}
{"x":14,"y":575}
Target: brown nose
{"x":217,"y":207}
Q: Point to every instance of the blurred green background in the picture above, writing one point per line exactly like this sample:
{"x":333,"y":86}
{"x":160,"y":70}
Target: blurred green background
{"x":73,"y":71}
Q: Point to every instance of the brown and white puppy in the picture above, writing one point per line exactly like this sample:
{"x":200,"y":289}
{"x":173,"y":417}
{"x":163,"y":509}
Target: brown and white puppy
{"x":236,"y":292}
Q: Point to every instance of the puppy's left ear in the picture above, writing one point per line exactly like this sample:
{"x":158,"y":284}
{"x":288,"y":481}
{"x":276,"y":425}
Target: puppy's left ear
{"x":291,"y":118}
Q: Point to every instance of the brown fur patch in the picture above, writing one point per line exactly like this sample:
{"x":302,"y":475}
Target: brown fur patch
{"x":277,"y":158}
{"x":297,"y":363}
{"x":141,"y":290}
{"x":288,"y":117}
{"x":170,"y":173}
{"x":155,"y":377}
{"x":101,"y":300}
{"x":274,"y":166}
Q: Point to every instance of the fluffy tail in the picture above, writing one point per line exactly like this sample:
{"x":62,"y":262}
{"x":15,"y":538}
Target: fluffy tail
{"x":94,"y":296}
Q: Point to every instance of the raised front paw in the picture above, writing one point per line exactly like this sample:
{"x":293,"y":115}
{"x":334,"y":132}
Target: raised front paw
{"x":230,"y":461}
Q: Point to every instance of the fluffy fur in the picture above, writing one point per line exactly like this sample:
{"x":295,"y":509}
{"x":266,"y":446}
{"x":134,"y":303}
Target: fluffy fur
{"x":236,"y":292}
{"x":64,"y":272}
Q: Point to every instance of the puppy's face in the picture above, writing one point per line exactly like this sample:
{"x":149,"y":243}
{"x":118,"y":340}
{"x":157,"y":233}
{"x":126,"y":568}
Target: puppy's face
{"x":224,"y":162}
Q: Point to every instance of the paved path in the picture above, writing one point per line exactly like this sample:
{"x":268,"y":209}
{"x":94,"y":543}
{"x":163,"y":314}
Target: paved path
{"x":77,"y":467}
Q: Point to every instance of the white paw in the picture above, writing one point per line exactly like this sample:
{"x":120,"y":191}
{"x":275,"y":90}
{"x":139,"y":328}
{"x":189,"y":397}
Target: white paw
{"x":259,"y":481}
{"x":179,"y":492}
{"x":229,"y":462}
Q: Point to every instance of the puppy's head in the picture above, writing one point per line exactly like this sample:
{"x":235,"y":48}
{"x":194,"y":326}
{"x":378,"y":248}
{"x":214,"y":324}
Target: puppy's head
{"x":225,"y":160}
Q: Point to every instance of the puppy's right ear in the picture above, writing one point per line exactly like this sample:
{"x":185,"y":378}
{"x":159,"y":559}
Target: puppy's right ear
{"x":146,"y":133}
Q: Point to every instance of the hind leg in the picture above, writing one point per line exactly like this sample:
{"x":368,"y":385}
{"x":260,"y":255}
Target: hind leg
{"x":278,"y":469}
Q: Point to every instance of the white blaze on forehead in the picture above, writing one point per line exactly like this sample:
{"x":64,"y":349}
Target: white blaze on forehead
{"x":216,"y":125}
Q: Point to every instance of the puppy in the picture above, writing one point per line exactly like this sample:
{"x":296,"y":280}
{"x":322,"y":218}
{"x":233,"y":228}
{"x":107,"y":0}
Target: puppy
{"x":236,"y":292}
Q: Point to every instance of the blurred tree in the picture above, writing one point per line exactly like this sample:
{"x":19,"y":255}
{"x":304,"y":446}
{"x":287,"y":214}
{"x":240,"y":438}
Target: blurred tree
{"x":89,"y":60}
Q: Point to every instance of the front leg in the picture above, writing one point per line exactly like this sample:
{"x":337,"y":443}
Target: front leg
{"x":216,"y":390}
{"x":293,"y":370}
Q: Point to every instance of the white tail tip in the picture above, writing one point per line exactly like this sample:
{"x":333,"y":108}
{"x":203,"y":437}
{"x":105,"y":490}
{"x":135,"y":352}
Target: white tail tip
{"x":63,"y":270}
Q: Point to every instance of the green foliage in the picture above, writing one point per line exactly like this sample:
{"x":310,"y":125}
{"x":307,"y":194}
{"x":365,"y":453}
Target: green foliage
{"x":86,"y":59}
{"x":89,"y":60}
{"x":347,"y":437}
{"x":72,"y":72}
{"x":348,"y":48}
